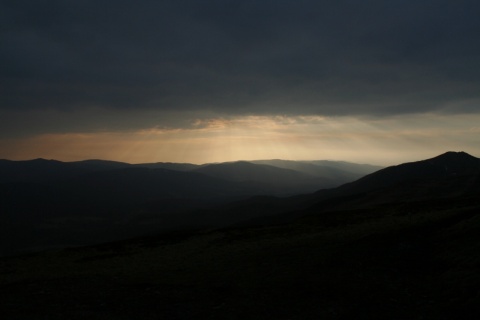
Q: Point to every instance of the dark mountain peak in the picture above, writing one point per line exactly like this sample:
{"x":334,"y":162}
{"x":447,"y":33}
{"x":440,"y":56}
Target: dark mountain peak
{"x":40,"y":163}
{"x":456,"y":162}
{"x":447,"y":165}
{"x":455,"y":156}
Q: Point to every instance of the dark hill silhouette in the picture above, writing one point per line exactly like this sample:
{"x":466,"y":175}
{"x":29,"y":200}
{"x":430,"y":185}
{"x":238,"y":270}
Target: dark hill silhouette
{"x":36,"y":170}
{"x":141,"y":184}
{"x":118,"y":203}
{"x":116,"y":190}
{"x":169,"y":166}
{"x":246,"y":171}
{"x":99,"y":165}
{"x":288,"y":177}
{"x":271,"y":177}
{"x":453,"y":174}
{"x":48,"y":202}
{"x":448,"y":164}
{"x":340,"y":171}
{"x":361,"y":169}
{"x":41,"y":170}
{"x":275,"y":178}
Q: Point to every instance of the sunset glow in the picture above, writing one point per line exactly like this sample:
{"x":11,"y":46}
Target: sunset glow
{"x":194,"y":81}
{"x":379,"y":141}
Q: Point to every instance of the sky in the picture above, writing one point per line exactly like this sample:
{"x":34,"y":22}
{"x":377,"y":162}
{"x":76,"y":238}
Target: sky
{"x":381,"y":82}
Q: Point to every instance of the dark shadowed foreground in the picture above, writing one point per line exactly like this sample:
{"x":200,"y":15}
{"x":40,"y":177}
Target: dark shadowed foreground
{"x":416,"y":260}
{"x":402,"y":243}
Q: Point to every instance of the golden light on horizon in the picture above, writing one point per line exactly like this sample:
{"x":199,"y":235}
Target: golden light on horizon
{"x":376,"y":141}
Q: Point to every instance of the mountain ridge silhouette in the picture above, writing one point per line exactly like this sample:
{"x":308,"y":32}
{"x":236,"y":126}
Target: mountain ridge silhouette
{"x":133,"y":200}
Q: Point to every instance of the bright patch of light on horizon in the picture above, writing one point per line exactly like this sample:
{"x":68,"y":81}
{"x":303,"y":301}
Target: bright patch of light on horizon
{"x":370,"y":140}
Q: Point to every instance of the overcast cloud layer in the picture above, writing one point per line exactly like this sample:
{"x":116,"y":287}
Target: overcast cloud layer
{"x":122,"y":68}
{"x":85,"y":66}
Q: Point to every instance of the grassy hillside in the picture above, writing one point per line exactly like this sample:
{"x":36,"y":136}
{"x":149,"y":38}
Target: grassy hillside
{"x":416,"y":260}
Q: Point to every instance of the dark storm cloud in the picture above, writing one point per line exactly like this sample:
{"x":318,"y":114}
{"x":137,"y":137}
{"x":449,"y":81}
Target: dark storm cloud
{"x":234,"y":57}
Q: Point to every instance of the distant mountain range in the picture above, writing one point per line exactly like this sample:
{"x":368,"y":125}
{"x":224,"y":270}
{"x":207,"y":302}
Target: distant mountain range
{"x":265,"y":176}
{"x":51,"y":203}
{"x":56,"y":200}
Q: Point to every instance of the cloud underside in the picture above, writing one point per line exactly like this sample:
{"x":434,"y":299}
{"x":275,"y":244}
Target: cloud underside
{"x":263,"y":57}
